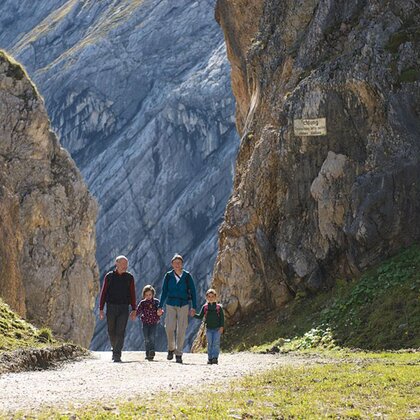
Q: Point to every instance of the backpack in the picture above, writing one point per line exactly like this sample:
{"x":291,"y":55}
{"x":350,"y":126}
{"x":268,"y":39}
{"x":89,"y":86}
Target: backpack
{"x":206,"y":308}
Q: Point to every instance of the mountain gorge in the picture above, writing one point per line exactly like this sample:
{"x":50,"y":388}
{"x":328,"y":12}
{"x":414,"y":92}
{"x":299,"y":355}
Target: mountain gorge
{"x":139,"y":93}
{"x":309,"y":209}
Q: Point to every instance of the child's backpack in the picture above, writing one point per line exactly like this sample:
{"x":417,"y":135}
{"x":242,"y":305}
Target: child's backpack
{"x":206,"y":308}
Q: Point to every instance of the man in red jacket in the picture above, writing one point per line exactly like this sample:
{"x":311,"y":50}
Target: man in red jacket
{"x":118,"y":292}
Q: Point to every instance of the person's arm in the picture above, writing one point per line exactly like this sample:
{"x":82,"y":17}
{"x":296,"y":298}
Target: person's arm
{"x":132,"y":299}
{"x":201,"y":314}
{"x":222,"y":321}
{"x":193,"y":293}
{"x":222,"y":317}
{"x":139,"y":309}
{"x":156,"y":303}
{"x":159,"y":310}
{"x":103,"y":297}
{"x":132,"y":294}
{"x":164,"y":293}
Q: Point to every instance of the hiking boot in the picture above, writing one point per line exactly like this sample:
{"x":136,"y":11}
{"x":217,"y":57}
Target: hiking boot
{"x":170,"y":354}
{"x":214,"y":361}
{"x":210,"y":361}
{"x":178,"y":359}
{"x":117,"y":360}
{"x":147,"y":355}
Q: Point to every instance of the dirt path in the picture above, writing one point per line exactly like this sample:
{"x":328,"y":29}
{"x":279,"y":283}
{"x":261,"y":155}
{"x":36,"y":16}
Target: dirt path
{"x":97,"y":379}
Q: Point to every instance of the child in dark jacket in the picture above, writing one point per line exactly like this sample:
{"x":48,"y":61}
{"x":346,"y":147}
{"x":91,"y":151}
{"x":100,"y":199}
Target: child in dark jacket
{"x":214,"y":320}
{"x":147,"y":311}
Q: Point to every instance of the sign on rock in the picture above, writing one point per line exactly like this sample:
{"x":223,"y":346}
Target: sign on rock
{"x":310,"y":127}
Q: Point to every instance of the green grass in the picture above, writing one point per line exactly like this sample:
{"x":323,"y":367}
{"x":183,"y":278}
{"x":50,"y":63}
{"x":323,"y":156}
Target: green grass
{"x":381,"y":310}
{"x":355,"y":386}
{"x":409,"y":32}
{"x":16,"y":333}
{"x":409,"y":75}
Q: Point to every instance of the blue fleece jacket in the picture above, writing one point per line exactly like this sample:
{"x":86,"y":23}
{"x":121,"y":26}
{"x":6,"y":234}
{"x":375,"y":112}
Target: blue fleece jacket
{"x":176,"y":294}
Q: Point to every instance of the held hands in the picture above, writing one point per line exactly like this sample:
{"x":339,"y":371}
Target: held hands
{"x":132,"y":315}
{"x":192,"y":312}
{"x":159,"y":312}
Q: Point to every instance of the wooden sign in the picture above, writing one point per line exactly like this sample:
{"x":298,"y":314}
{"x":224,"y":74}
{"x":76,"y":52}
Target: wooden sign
{"x":310,"y":127}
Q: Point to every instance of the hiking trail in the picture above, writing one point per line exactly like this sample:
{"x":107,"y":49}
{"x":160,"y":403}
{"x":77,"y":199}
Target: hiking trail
{"x":98,"y":380}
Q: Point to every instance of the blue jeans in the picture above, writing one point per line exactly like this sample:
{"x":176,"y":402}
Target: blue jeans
{"x":213,"y":342}
{"x":149,"y":332}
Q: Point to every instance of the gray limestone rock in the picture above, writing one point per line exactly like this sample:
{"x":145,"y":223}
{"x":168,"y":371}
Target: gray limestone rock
{"x":139,"y":93}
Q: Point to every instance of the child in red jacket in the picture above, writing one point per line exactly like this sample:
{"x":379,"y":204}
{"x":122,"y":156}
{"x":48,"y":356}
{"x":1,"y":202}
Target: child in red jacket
{"x":147,"y":311}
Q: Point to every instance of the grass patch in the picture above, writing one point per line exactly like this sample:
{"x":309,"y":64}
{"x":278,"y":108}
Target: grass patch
{"x":409,"y":76}
{"x":16,"y":333}
{"x":410,"y":32}
{"x":381,"y":310}
{"x":349,"y":389}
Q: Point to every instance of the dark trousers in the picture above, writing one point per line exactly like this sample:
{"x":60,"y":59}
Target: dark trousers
{"x":149,"y":332}
{"x":117,"y":317}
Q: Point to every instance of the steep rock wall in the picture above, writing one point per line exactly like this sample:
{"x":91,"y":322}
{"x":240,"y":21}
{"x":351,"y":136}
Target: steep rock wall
{"x":308,"y":209}
{"x":48,"y":270}
{"x":140,"y":95}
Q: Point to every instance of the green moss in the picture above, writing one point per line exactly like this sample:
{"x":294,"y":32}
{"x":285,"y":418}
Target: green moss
{"x":409,"y":75}
{"x":407,"y":34}
{"x":381,"y":310}
{"x":44,"y":335}
{"x":16,"y":333}
{"x":395,"y":40}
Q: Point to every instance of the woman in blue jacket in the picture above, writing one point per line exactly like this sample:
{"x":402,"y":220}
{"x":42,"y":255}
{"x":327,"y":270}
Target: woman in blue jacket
{"x":177,"y":290}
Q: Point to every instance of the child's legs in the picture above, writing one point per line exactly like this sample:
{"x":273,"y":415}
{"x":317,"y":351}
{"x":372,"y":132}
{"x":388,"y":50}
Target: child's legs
{"x":170,"y":325}
{"x":152,"y":336}
{"x":210,"y":342}
{"x":216,"y":344}
{"x":147,"y":337}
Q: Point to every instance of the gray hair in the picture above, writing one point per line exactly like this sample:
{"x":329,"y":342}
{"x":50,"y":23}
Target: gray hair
{"x":177,"y":257}
{"x":121,"y":257}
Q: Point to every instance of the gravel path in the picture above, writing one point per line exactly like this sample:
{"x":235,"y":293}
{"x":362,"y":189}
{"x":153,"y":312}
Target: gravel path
{"x":97,"y":379}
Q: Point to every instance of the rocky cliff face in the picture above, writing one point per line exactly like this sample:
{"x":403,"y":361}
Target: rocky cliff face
{"x":48,"y":270}
{"x":139,"y":92}
{"x":308,"y":209}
